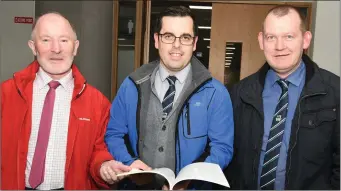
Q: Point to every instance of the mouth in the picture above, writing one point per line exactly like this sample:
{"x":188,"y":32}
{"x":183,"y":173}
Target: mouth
{"x":56,"y":59}
{"x":281,"y":55}
{"x":175,"y":55}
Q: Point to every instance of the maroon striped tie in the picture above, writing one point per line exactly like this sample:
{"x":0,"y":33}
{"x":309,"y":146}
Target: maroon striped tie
{"x":38,"y":163}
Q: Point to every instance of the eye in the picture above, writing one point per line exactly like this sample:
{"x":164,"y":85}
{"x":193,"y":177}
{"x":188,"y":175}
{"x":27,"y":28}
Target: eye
{"x":64,"y":40}
{"x":186,"y":37}
{"x":270,"y":37}
{"x":45,"y":40}
{"x":168,"y":36}
{"x":290,"y":36}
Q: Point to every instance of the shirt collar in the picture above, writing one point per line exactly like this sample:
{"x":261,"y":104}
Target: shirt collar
{"x":181,"y":75}
{"x":43,"y":79}
{"x":294,"y":78}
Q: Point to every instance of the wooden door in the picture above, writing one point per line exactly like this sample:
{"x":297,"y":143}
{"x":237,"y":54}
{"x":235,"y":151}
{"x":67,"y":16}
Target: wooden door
{"x":236,"y":23}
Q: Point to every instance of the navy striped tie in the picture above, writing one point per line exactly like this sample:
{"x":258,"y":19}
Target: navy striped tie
{"x":167,"y":102}
{"x":268,"y":175}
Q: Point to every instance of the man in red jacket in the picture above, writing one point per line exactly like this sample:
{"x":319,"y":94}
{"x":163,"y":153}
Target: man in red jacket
{"x":52,"y":121}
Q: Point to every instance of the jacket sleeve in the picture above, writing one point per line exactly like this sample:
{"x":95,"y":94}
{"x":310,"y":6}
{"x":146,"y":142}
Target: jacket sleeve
{"x":100,"y":153}
{"x":335,"y":178}
{"x":221,"y":128}
{"x":118,"y":126}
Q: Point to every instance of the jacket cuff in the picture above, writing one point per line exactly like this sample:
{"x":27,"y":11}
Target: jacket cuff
{"x":96,"y":166}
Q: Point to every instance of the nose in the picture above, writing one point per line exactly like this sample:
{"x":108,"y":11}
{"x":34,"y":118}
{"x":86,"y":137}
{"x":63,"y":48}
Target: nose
{"x":55,"y":47}
{"x":280,"y":44}
{"x":176,"y":43}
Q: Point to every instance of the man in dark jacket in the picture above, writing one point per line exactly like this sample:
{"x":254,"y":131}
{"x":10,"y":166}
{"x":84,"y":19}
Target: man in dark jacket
{"x":287,"y":115}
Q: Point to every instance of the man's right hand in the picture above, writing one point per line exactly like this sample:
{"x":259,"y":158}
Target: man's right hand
{"x":141,"y":179}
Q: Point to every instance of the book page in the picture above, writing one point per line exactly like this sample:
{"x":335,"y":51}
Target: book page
{"x":167,"y":173}
{"x":203,"y":171}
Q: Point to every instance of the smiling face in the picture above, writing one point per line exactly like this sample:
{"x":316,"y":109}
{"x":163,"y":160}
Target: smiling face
{"x":174,"y":57}
{"x":54,"y":44}
{"x":283,"y":41}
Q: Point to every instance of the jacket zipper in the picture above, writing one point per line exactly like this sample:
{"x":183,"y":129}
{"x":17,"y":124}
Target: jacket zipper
{"x":188,"y":120}
{"x":296,"y":135}
{"x":177,"y":124}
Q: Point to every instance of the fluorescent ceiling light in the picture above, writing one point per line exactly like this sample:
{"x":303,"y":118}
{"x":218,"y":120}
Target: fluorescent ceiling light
{"x":208,"y":47}
{"x":230,"y":48}
{"x":199,"y":7}
{"x":207,"y":39}
{"x":229,"y":53}
{"x":204,"y":27}
{"x":121,"y":39}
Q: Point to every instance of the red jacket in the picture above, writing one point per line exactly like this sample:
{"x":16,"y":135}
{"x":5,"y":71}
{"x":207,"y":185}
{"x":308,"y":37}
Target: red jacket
{"x":86,"y":149}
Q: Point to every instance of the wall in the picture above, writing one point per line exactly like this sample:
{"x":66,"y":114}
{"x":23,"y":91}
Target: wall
{"x":326,"y":46}
{"x":93,"y":23}
{"x":14,"y":51}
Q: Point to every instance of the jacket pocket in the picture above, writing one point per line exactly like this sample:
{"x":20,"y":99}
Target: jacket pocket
{"x":321,"y":118}
{"x":315,"y":136}
{"x":195,"y":120}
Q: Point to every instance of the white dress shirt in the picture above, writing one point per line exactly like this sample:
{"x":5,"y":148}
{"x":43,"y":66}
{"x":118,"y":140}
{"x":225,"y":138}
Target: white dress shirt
{"x":161,"y":84}
{"x":56,"y":149}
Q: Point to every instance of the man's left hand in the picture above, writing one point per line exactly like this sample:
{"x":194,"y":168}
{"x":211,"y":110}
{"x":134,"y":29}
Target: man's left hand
{"x":110,"y":169}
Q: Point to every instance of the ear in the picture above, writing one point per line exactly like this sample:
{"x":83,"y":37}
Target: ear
{"x":307,"y":39}
{"x":76,"y":48}
{"x":32,"y":47}
{"x":260,"y":40}
{"x":195,"y":43}
{"x":156,"y":40}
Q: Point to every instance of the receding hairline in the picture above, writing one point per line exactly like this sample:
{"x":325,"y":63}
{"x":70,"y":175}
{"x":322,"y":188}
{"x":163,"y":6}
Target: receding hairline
{"x":50,"y":13}
{"x":283,"y":10}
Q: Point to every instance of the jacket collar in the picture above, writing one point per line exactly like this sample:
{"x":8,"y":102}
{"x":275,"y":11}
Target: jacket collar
{"x":199,"y":72}
{"x":26,"y":76}
{"x":252,"y":91}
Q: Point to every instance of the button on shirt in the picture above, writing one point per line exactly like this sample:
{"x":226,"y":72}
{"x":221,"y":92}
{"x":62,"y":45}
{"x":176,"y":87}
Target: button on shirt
{"x":271,"y":94}
{"x":56,"y":149}
{"x":161,"y":83}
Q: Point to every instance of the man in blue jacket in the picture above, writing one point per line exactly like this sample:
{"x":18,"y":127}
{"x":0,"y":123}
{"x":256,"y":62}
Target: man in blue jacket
{"x":171,"y":112}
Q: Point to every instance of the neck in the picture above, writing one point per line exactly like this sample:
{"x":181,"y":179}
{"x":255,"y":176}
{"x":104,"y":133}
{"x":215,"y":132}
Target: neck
{"x":284,"y":75}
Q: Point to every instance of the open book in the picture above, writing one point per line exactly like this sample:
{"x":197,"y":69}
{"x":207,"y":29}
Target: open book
{"x":204,"y":171}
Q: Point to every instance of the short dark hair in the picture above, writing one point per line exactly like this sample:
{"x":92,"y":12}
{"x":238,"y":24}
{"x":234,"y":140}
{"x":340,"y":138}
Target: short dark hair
{"x":175,"y":11}
{"x":282,"y":10}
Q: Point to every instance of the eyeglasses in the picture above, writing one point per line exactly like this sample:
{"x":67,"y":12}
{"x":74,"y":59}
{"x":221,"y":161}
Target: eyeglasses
{"x":170,"y":38}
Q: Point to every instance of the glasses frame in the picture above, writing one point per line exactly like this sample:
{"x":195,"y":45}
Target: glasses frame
{"x":161,"y":35}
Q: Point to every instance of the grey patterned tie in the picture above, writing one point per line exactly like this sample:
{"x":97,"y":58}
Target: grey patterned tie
{"x":167,"y":102}
{"x":268,"y":175}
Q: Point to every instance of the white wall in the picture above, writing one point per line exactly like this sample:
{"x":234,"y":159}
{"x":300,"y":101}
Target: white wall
{"x":326,"y":47}
{"x":15,"y":54}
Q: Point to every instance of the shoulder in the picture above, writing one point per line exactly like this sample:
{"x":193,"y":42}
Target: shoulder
{"x":246,"y":83}
{"x":96,"y":97}
{"x":7,"y":86}
{"x":330,"y":78}
{"x":330,"y":81}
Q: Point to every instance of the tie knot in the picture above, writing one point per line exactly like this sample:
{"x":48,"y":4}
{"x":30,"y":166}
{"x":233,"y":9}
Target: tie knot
{"x":171,"y":80}
{"x":54,"y":84}
{"x":284,"y":84}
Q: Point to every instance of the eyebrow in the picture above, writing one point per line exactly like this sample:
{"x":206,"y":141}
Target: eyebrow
{"x":180,"y":35}
{"x":63,"y":36}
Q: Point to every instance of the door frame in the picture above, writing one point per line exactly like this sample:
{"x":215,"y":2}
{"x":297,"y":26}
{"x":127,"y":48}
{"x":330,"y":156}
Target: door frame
{"x":137,"y":41}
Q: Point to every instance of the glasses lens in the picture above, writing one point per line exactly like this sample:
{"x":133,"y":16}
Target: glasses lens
{"x":168,"y":38}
